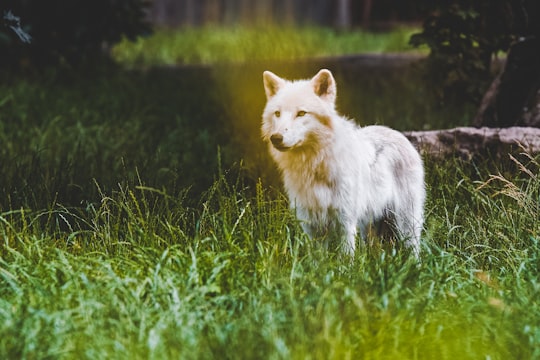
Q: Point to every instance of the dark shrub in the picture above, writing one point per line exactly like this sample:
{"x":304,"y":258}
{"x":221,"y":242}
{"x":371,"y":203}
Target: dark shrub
{"x":67,"y":31}
{"x":464,"y":35}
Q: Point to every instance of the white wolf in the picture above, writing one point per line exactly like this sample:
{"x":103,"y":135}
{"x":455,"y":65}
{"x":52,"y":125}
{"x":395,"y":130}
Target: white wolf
{"x":340,"y":177}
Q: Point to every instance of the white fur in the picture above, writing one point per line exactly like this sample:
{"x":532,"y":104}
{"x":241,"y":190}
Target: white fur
{"x":338,"y":176}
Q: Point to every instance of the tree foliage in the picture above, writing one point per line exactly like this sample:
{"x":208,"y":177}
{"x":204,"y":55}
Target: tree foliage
{"x":463,"y":37}
{"x":66,"y":31}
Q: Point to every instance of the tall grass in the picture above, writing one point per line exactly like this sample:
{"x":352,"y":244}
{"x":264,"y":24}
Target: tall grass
{"x":124,"y":235}
{"x":142,"y":275}
{"x":165,"y":126}
{"x":211,"y":45}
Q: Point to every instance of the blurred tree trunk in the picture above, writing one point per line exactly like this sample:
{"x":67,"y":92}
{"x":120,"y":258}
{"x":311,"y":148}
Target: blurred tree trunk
{"x":212,"y":11}
{"x":344,"y":14}
{"x":190,"y":12}
{"x":366,"y":13}
{"x":289,"y":12}
{"x":167,"y":12}
{"x":513,"y":98}
{"x":246,"y":12}
{"x":230,"y":12}
{"x":159,"y":12}
{"x":263,"y":11}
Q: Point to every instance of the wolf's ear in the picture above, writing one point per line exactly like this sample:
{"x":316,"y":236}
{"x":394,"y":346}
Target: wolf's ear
{"x":324,"y":85}
{"x":272,"y":83}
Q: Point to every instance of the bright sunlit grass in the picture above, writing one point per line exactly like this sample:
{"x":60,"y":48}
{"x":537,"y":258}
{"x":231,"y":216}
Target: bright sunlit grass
{"x":241,"y":44}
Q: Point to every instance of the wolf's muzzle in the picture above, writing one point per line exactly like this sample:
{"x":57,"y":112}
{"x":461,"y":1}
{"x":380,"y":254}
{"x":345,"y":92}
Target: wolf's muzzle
{"x":277,"y":140}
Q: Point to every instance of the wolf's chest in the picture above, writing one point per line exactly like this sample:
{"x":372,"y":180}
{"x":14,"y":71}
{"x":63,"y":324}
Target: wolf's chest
{"x":313,"y":190}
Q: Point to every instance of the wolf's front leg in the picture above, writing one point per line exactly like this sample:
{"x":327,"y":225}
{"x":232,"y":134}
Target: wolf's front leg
{"x":348,"y":245}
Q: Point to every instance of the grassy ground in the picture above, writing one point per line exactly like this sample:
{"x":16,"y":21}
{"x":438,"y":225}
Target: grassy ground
{"x":212,"y":45}
{"x":130,"y":228}
{"x":141,"y":275}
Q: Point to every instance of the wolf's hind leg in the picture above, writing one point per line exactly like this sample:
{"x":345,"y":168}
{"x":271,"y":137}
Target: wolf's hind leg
{"x":409,"y":227}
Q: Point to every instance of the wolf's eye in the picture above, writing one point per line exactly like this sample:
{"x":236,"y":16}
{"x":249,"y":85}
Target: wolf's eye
{"x":301,"y":113}
{"x":277,"y":113}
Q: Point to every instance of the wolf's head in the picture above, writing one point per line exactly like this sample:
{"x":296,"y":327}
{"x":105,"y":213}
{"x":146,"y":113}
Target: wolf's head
{"x":298,"y":114}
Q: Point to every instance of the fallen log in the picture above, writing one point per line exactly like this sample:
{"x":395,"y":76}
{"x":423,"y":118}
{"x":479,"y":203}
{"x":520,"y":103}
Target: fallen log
{"x":466,"y":142}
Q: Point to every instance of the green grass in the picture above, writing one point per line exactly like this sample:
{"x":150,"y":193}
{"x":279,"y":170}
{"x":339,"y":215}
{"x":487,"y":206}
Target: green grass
{"x":165,"y":126}
{"x":211,"y":45}
{"x":141,"y":275}
{"x":140,"y":218}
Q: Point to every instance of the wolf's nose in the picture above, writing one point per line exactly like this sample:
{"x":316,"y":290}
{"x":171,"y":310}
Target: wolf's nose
{"x":276,"y":139}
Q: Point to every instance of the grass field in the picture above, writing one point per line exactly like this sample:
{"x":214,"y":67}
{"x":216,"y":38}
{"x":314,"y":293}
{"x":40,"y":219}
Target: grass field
{"x":141,"y":275}
{"x":140,"y":219}
{"x":211,"y":45}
